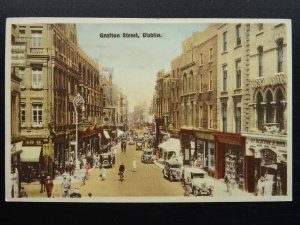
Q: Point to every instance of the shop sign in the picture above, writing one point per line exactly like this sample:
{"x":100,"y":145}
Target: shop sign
{"x":33,"y":142}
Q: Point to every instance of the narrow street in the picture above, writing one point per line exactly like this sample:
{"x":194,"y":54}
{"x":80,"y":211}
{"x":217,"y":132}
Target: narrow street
{"x":146,"y":181}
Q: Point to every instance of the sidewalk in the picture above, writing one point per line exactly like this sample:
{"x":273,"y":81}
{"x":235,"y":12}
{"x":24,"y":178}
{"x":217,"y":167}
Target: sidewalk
{"x":159,"y":163}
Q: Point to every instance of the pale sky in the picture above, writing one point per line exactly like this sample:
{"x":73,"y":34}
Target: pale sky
{"x":135,"y":61}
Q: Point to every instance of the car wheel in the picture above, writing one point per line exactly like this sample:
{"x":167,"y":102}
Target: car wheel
{"x":195,"y":192}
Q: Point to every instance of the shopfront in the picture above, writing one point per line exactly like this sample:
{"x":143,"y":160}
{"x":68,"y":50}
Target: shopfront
{"x":269,"y":155}
{"x":230,"y":157}
{"x":198,"y":148}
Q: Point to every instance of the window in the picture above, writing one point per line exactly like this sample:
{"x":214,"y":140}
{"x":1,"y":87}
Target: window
{"x":225,"y":41}
{"x":269,"y":108}
{"x":22,"y":76}
{"x":210,"y":80}
{"x":200,"y":117}
{"x":260,"y":26}
{"x":238,"y":35}
{"x":201,"y":59}
{"x":225,"y":78}
{"x":22,"y":114}
{"x":201,"y":83}
{"x":238,"y":117}
{"x":224,"y":116}
{"x":279,"y":55}
{"x":37,"y":115}
{"x":210,"y":54}
{"x":36,"y":39}
{"x":36,"y":77}
{"x":260,"y":61}
{"x":211,"y":116}
{"x":238,"y":73}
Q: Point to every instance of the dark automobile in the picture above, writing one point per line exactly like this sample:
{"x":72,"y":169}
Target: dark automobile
{"x":107,"y":159}
{"x":147,"y":156}
{"x":172,"y":170}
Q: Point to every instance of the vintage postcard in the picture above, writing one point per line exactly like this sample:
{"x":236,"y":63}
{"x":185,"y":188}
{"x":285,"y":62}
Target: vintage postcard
{"x":148,"y":110}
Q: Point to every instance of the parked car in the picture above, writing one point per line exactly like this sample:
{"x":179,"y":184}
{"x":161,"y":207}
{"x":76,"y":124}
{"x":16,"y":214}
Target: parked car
{"x":172,"y":169}
{"x":197,"y":179}
{"x":107,"y":159}
{"x":147,"y":156}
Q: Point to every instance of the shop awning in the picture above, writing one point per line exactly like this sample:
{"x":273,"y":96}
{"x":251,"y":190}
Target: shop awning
{"x":31,"y":153}
{"x":171,"y":144}
{"x":106,"y":134}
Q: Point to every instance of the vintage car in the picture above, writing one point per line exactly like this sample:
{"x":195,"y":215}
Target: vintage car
{"x":197,"y":179}
{"x":147,"y":156}
{"x":131,"y":141}
{"x":107,"y":159}
{"x":172,"y":169}
{"x":139,"y":143}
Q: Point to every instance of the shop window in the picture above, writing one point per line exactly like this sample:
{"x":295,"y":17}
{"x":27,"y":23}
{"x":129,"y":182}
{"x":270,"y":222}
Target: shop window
{"x":37,"y":115}
{"x":279,"y":55}
{"x":224,"y":68}
{"x":225,"y":41}
{"x":36,"y":39}
{"x":260,"y":61}
{"x":224,"y":116}
{"x":211,"y":160}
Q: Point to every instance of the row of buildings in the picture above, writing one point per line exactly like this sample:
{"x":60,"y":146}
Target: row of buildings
{"x":48,"y":70}
{"x":226,"y":97}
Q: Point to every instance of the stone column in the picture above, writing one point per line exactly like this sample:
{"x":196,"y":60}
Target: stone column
{"x":255,"y":116}
{"x":284,"y":103}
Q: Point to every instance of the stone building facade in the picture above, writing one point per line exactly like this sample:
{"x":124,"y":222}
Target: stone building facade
{"x":266,"y":135}
{"x":56,"y":70}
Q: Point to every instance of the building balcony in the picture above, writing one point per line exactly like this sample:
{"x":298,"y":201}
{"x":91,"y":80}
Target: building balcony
{"x":38,"y":51}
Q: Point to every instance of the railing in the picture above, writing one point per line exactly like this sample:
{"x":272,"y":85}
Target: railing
{"x":38,"y":51}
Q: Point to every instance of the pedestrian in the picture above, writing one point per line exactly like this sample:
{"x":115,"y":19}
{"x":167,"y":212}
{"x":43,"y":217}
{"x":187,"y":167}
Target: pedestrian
{"x":226,"y":180}
{"x":42,"y":178}
{"x":65,"y":186}
{"x":49,"y":186}
{"x":133,"y":165}
{"x":121,"y":171}
{"x":82,"y":175}
{"x":87,"y":167}
{"x":23,"y":193}
{"x":103,"y":173}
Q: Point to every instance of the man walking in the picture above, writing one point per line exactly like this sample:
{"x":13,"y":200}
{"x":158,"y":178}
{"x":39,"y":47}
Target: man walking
{"x":49,"y":186}
{"x":42,"y":179}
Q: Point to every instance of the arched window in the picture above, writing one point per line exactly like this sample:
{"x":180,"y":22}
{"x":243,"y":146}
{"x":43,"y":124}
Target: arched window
{"x":280,"y":109}
{"x":260,"y":61}
{"x":269,"y":111}
{"x":259,"y":111}
{"x":279,"y":55}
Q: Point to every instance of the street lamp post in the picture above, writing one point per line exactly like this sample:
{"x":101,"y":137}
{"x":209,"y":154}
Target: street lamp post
{"x":77,"y":102}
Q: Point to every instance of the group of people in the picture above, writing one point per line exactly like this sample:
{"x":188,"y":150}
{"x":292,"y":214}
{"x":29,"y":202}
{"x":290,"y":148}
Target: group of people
{"x":46,"y":183}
